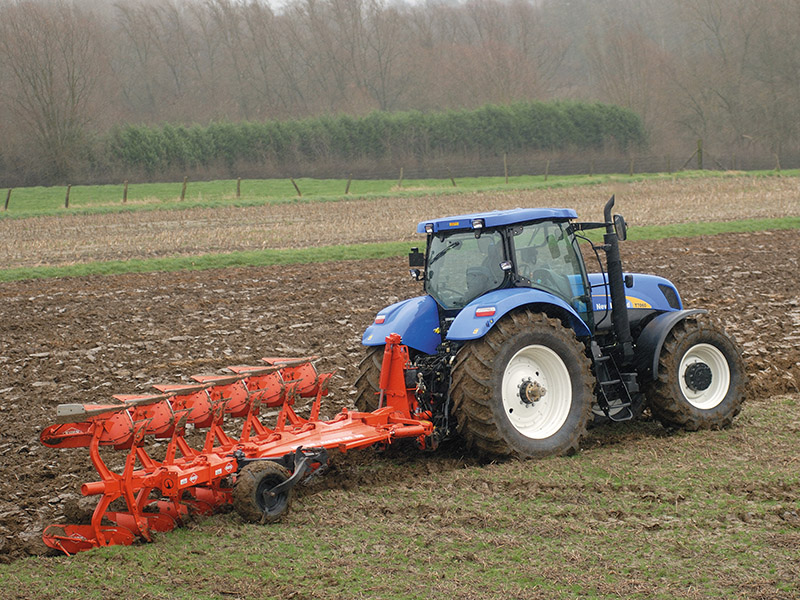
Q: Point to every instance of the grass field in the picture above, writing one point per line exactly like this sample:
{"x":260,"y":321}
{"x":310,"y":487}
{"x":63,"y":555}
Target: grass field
{"x":640,"y":513}
{"x":274,"y":231}
{"x":93,"y":199}
{"x":254,"y":258}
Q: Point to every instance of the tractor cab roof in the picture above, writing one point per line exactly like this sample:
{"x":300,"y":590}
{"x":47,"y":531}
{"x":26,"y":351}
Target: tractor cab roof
{"x":496,"y":218}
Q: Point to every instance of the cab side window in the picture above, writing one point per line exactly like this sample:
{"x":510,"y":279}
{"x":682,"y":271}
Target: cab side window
{"x":547,"y":260}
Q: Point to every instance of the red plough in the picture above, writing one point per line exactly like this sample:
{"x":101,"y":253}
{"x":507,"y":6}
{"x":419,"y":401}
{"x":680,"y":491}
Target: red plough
{"x":255,"y":472}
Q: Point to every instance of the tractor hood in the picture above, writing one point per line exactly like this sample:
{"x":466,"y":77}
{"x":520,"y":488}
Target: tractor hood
{"x":649,"y":292}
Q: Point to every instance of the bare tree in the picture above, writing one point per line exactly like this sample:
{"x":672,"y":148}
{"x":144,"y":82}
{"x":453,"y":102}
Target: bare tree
{"x":775,"y":70}
{"x":627,"y":70}
{"x":713,"y":79}
{"x":53,"y":59}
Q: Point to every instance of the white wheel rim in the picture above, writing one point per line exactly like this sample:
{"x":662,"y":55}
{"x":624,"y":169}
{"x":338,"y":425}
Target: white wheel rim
{"x":544,"y":417}
{"x":714,"y":359}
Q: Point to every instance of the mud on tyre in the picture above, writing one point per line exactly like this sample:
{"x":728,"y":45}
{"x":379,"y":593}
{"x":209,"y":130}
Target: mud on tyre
{"x":701,"y":379}
{"x":524,"y":389}
{"x":251,"y":497}
{"x":368,"y":381}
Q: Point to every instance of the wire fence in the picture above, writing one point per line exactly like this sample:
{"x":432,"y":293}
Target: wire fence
{"x":542,"y":164}
{"x":460,"y":167}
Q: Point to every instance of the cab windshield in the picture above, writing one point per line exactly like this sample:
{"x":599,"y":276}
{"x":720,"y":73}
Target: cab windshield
{"x":545,"y":258}
{"x":462,"y":267}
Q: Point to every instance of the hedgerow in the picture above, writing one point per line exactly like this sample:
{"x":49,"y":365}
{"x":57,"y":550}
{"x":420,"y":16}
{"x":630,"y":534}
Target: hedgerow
{"x":490,"y":129}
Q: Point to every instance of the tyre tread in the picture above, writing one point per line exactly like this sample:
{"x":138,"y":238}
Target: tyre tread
{"x":664,"y":396}
{"x":472,"y":388}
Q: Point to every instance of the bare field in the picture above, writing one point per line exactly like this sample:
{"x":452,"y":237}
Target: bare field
{"x":74,"y":239}
{"x":641,"y":512}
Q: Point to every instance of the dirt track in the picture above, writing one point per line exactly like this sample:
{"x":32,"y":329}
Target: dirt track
{"x":83,"y":339}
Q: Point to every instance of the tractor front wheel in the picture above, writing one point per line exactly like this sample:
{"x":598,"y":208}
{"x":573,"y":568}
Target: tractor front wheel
{"x":368,"y":384}
{"x":701,"y":379}
{"x":252,"y":493}
{"x":524,"y":389}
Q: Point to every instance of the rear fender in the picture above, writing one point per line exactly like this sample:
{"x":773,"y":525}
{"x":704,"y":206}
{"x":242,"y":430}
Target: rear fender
{"x":650,"y":341}
{"x":468,"y":326}
{"x":415,"y":319}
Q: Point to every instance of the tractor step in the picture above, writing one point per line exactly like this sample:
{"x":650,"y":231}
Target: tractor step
{"x":625,"y":414}
{"x":611,"y":382}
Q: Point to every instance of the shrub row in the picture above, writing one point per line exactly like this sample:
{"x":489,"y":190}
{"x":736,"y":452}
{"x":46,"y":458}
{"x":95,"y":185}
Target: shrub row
{"x":490,"y":129}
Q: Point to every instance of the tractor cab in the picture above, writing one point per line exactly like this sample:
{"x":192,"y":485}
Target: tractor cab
{"x":472,"y":255}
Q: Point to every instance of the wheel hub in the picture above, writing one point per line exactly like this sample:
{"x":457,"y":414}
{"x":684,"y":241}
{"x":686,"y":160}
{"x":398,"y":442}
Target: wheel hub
{"x":531,"y":391}
{"x":698,"y":376}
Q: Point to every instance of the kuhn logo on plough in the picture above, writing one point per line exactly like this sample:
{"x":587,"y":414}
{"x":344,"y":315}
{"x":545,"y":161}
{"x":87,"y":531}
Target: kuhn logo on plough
{"x":255,"y":472}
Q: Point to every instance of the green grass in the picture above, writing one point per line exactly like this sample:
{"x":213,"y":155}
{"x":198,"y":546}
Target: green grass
{"x":213,"y":261}
{"x":96,"y":199}
{"x":640,"y":513}
{"x":654,"y":232}
{"x":258,"y":258}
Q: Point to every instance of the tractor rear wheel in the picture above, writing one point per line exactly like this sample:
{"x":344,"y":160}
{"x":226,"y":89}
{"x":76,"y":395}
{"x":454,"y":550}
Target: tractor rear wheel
{"x":251,"y":492}
{"x":524,"y":389}
{"x":368,"y":384}
{"x":701,"y":379}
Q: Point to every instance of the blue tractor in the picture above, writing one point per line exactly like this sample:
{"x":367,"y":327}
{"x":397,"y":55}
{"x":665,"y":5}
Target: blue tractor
{"x":517,"y":349}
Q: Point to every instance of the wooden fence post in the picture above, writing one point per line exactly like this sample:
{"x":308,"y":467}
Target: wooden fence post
{"x":700,"y":154}
{"x":125,"y":192}
{"x":400,"y":181}
{"x":505,"y":165}
{"x":299,"y":193}
{"x":591,"y":168}
{"x":546,"y":169}
{"x":777,"y":163}
{"x":452,"y":180}
{"x":183,"y":189}
{"x":631,"y":169}
{"x":239,"y":187}
{"x":347,"y":187}
{"x":66,"y":198}
{"x":8,"y":198}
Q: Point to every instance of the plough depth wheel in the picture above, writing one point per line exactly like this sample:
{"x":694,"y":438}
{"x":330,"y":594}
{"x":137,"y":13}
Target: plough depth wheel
{"x":252,"y":496}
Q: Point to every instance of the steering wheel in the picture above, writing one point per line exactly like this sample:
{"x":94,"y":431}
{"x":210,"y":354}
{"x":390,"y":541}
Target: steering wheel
{"x":450,"y":295}
{"x":545,"y":277}
{"x":557,"y":282}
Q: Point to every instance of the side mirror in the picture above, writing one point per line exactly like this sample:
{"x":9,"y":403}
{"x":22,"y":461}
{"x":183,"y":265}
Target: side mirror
{"x":416,"y":258}
{"x":620,"y":228}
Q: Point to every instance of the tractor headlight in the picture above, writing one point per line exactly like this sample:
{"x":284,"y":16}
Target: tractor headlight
{"x":428,"y":227}
{"x":478,"y":223}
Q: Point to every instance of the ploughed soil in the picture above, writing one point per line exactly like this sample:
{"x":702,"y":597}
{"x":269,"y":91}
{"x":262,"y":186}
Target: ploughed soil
{"x":80,"y":340}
